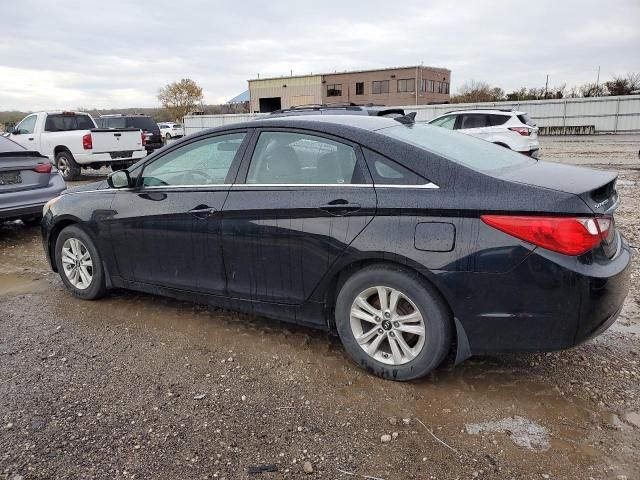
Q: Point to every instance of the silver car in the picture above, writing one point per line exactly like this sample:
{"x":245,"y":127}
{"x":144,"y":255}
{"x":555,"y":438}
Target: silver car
{"x":27,"y":182}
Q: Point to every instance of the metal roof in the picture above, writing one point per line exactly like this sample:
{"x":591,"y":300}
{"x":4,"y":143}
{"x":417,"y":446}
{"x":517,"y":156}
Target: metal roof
{"x":243,"y":97}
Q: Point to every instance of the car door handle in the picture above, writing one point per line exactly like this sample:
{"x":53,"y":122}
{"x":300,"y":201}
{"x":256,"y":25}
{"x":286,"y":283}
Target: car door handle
{"x":202,"y":211}
{"x":340,"y":207}
{"x":30,"y":138}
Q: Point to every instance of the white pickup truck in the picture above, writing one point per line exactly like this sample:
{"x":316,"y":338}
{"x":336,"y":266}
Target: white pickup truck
{"x":72,"y":142}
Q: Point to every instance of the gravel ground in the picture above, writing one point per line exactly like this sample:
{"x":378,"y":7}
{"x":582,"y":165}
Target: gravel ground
{"x":138,"y":386}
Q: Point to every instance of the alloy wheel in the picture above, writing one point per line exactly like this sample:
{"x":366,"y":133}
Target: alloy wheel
{"x":77,"y":263}
{"x":63,"y":166}
{"x":387,"y":325}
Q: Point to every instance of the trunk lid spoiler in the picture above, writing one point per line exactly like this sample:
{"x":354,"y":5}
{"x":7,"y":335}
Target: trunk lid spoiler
{"x":596,"y":188}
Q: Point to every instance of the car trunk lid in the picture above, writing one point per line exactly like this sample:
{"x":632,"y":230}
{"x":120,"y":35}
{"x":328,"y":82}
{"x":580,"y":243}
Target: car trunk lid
{"x":595,"y":187}
{"x":18,"y":171}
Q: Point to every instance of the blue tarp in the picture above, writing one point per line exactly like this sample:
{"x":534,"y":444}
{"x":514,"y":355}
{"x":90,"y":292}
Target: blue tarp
{"x":243,"y":97}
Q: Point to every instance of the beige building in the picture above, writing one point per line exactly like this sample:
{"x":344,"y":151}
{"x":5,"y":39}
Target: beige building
{"x":417,"y":85}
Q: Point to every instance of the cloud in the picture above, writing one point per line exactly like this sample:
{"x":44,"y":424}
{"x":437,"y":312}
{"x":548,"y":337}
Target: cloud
{"x":118,"y":53}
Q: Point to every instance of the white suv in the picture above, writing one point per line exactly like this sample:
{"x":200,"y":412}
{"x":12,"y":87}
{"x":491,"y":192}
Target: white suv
{"x":170,"y":130}
{"x":507,"y":128}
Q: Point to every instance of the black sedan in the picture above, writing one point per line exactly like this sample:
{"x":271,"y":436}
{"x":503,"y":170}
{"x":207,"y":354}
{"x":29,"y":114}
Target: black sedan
{"x":27,"y":182}
{"x":408,"y":240}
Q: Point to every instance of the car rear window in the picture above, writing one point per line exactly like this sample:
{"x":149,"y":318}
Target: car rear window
{"x":526,"y":119}
{"x":65,"y":123}
{"x":471,"y":152}
{"x":143,"y":123}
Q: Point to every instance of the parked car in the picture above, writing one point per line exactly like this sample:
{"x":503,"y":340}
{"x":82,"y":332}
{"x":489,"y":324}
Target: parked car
{"x":170,"y":130}
{"x":404,"y":238}
{"x":511,"y":129}
{"x":72,"y":142}
{"x":27,"y":182}
{"x":153,"y":138}
{"x":340,"y":109}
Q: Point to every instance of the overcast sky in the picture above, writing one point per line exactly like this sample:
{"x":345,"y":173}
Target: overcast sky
{"x":117,"y":53}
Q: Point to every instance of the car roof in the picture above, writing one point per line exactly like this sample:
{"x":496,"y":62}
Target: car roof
{"x":494,"y":111}
{"x":363,"y":122}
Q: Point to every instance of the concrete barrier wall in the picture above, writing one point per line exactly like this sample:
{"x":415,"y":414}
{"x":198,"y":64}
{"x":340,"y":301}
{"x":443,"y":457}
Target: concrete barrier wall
{"x":604,"y":114}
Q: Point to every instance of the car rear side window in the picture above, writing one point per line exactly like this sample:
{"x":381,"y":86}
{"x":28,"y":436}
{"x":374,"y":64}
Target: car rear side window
{"x":466,"y":150}
{"x":297,"y":158}
{"x":526,"y":119}
{"x":496,"y":120}
{"x":205,"y":162}
{"x":387,"y":172}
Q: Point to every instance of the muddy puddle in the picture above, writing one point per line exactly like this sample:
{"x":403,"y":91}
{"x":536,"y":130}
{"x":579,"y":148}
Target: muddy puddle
{"x":483,"y":400}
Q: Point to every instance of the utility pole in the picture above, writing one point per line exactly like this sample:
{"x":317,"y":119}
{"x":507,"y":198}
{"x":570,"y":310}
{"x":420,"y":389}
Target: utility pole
{"x":597,"y":82}
{"x":546,"y":86}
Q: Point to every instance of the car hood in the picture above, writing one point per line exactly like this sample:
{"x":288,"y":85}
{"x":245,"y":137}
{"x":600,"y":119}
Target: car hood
{"x":595,"y":187}
{"x":87,"y":187}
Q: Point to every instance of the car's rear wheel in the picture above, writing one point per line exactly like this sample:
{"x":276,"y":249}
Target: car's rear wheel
{"x":393,"y":323}
{"x":168,"y":136}
{"x":67,"y":166}
{"x":79,"y":263}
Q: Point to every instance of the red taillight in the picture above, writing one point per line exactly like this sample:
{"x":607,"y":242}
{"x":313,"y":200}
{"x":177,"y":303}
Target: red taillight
{"x":87,"y":143}
{"x":43,"y":168}
{"x":144,"y":139}
{"x":524,"y":131}
{"x":566,"y":235}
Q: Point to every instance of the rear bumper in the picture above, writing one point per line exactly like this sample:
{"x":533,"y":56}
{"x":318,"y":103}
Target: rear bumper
{"x":29,"y":203}
{"x":548,"y":302}
{"x":89,"y":158}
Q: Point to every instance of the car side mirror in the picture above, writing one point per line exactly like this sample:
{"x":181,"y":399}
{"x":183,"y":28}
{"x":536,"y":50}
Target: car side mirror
{"x":15,"y":131}
{"x":119,"y":179}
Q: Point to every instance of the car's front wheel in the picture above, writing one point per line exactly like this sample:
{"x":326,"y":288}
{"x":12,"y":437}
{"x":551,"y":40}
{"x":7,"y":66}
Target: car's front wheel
{"x":393,"y":323}
{"x":79,"y":263}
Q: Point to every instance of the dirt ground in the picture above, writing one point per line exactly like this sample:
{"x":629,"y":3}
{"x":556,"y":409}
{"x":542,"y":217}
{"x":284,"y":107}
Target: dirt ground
{"x":138,"y":386}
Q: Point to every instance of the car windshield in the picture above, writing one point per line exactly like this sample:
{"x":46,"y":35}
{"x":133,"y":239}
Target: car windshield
{"x":471,"y":152}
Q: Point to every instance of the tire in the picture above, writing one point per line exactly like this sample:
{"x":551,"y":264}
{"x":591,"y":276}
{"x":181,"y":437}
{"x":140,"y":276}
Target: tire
{"x":86,"y":290}
{"x":424,"y":353}
{"x":67,"y":166}
{"x":118,"y":166}
{"x":168,"y":136}
{"x":33,"y":221}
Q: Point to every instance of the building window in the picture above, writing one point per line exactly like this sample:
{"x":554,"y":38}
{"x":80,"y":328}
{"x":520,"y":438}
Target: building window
{"x":446,"y":87}
{"x":381,"y":86}
{"x":428,"y":85}
{"x":407,"y":85}
{"x":359,"y":88}
{"x":334,"y":90}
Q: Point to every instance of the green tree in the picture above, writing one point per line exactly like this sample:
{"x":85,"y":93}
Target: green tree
{"x":180,"y":98}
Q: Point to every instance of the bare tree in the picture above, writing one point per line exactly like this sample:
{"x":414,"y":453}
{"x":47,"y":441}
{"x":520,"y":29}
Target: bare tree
{"x":475,"y":91}
{"x":623,"y":85}
{"x":181,"y":97}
